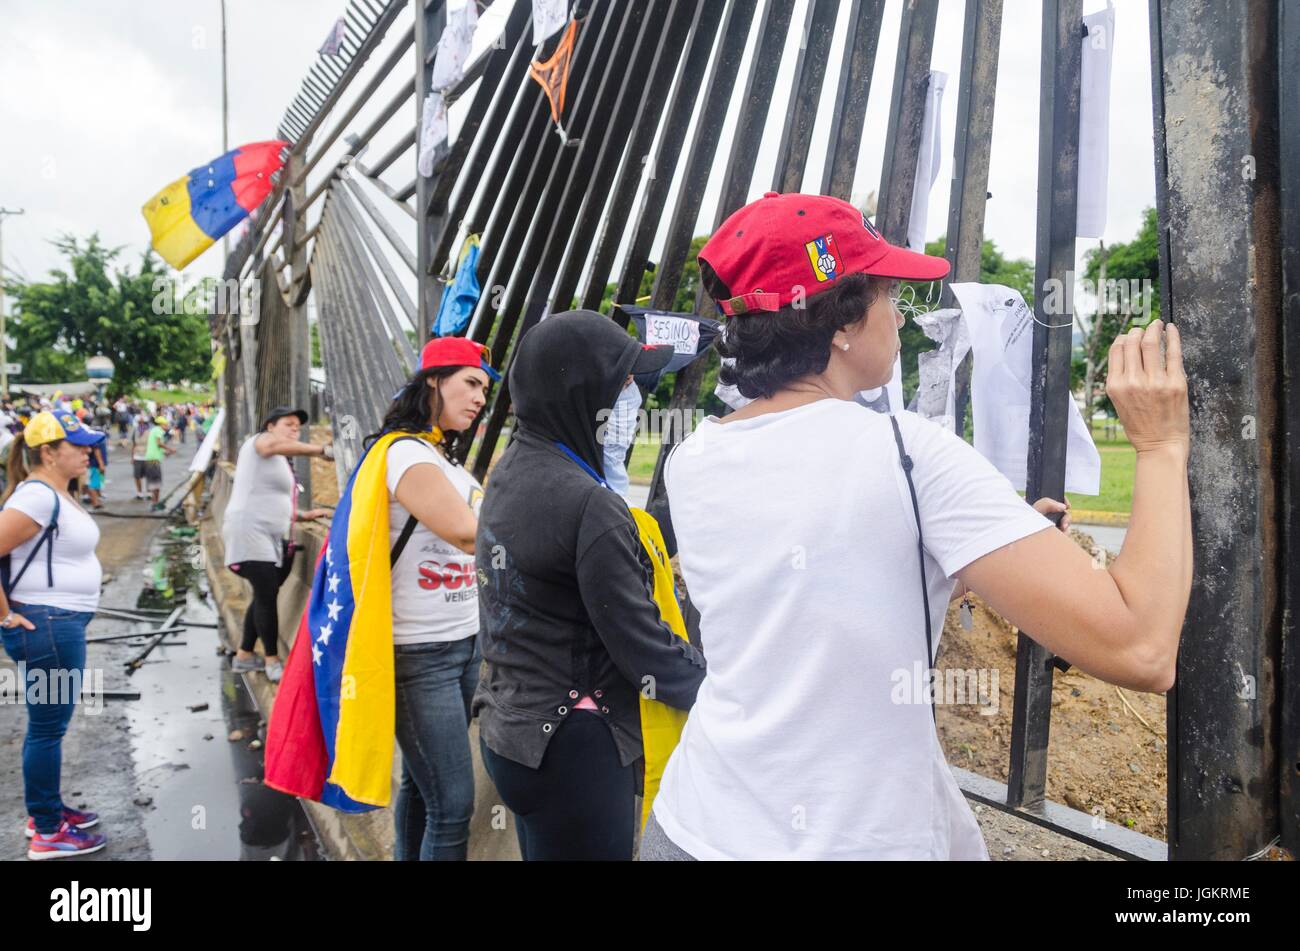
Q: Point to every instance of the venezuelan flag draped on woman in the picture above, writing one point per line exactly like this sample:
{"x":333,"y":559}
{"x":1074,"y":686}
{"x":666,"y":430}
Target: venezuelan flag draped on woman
{"x":191,"y":213}
{"x":330,"y":737}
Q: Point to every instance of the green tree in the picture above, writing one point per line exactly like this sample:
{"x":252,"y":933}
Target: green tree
{"x":1126,"y":278}
{"x":140,"y":319}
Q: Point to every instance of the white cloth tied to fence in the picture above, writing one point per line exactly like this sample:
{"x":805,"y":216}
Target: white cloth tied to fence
{"x":548,"y":17}
{"x":936,"y":389}
{"x":1094,"y":122}
{"x":454,"y":46}
{"x":928,"y":158}
{"x":334,"y":42}
{"x":1001,"y":328}
{"x":448,"y":68}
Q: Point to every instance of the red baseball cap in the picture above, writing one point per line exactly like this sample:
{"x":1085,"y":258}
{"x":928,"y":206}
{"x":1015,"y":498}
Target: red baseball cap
{"x":457,"y":352}
{"x":781,"y":247}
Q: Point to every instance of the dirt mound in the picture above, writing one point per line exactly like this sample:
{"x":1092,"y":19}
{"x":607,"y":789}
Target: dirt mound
{"x":1102,"y":758}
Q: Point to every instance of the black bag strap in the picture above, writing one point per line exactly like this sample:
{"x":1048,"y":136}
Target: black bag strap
{"x":399,"y":546}
{"x":46,"y":539}
{"x":906,"y":462}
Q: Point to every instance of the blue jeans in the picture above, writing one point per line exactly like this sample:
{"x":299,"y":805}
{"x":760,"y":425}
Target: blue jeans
{"x":435,"y":683}
{"x":53,"y":660}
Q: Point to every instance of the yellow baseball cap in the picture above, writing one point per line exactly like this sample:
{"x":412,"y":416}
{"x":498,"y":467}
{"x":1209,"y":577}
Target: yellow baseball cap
{"x":46,"y":427}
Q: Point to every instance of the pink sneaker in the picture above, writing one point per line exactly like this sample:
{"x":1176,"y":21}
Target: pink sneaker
{"x":73,"y":817}
{"x":65,"y":843}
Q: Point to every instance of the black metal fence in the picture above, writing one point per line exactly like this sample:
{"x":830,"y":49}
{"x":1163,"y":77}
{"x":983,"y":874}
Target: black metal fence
{"x":651,"y":83}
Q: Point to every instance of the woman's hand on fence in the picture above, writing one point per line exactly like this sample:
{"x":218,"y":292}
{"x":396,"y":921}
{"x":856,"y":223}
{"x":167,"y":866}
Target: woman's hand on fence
{"x":312,"y":514}
{"x":1150,"y":390}
{"x":1050,"y":507}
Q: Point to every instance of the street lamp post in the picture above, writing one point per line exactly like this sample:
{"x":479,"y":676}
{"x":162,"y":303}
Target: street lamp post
{"x":4,"y":345}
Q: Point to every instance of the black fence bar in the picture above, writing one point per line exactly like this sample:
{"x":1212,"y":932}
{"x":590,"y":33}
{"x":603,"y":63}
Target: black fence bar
{"x":663,"y":165}
{"x":500,"y":64}
{"x":972,"y":146}
{"x":429,"y":22}
{"x":639,"y":136}
{"x":582,"y":118}
{"x":793,"y":155}
{"x":483,"y":173}
{"x":1221,"y":151}
{"x":809,"y":73}
{"x":1049,"y":409}
{"x":1288,"y":33}
{"x":598,"y":157}
{"x":774,"y":23}
{"x":1081,"y":826}
{"x":906,"y":117}
{"x":852,"y":91}
{"x":719,"y":87}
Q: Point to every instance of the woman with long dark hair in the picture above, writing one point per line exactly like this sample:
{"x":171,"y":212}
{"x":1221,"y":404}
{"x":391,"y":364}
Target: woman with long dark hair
{"x":433,"y":517}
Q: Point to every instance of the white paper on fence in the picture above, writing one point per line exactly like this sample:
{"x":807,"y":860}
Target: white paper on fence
{"x":727,"y":393}
{"x":1094,"y":122}
{"x":454,"y":46}
{"x":201,"y":458}
{"x":927,"y":159}
{"x":663,"y":329}
{"x":936,"y":389}
{"x":887,"y":398}
{"x":548,"y":17}
{"x":334,"y":42}
{"x":1001,"y":328}
{"x":433,"y":131}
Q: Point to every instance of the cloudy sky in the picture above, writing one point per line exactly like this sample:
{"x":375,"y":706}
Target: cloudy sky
{"x":106,"y":101}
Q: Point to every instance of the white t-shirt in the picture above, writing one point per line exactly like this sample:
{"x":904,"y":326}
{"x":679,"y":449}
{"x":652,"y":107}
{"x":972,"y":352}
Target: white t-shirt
{"x":76,"y":569}
{"x":435,"y":584}
{"x":798,"y":545}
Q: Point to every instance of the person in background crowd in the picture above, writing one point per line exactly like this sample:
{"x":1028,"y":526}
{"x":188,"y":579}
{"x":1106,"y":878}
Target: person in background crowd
{"x":802,"y":715}
{"x":433,"y":505}
{"x":95,"y":477}
{"x":49,"y":596}
{"x":155,"y":447}
{"x":139,"y":442}
{"x":570,"y":627}
{"x":258,"y":527}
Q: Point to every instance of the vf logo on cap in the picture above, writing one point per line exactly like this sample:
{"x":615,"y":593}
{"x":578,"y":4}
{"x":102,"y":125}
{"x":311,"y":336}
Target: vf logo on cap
{"x":824,"y":257}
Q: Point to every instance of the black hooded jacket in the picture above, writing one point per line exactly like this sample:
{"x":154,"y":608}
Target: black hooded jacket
{"x":565,"y":604}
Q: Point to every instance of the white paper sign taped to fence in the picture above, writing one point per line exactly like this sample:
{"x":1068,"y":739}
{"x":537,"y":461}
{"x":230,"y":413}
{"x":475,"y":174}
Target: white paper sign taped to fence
{"x":665,"y":329}
{"x":1001,"y":327}
{"x":454,"y":46}
{"x":928,"y":157}
{"x":1094,"y":123}
{"x":548,"y":17}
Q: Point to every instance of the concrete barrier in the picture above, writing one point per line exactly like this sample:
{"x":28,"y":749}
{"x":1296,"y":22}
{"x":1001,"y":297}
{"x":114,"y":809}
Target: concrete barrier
{"x":368,"y":836}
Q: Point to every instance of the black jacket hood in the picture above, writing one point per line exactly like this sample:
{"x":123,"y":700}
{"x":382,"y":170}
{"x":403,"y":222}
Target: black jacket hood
{"x":570,"y":367}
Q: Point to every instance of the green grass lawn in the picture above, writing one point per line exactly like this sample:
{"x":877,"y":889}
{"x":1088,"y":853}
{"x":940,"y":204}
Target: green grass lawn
{"x":175,"y":396}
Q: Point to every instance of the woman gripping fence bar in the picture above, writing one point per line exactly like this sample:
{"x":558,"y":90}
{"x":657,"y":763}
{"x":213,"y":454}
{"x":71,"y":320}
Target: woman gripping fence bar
{"x":820,"y":541}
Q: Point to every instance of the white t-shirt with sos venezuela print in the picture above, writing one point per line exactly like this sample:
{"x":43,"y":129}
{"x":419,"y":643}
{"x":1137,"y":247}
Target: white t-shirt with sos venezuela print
{"x":435,"y":585}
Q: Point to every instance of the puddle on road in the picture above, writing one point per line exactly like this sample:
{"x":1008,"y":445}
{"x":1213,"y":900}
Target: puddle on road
{"x":200,"y":793}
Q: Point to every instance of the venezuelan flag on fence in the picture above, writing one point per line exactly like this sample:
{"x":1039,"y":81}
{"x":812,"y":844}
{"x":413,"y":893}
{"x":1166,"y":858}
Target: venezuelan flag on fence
{"x":330,"y":736}
{"x":187,"y":216}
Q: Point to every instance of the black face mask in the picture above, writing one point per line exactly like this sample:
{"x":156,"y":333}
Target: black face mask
{"x":569,"y":368}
